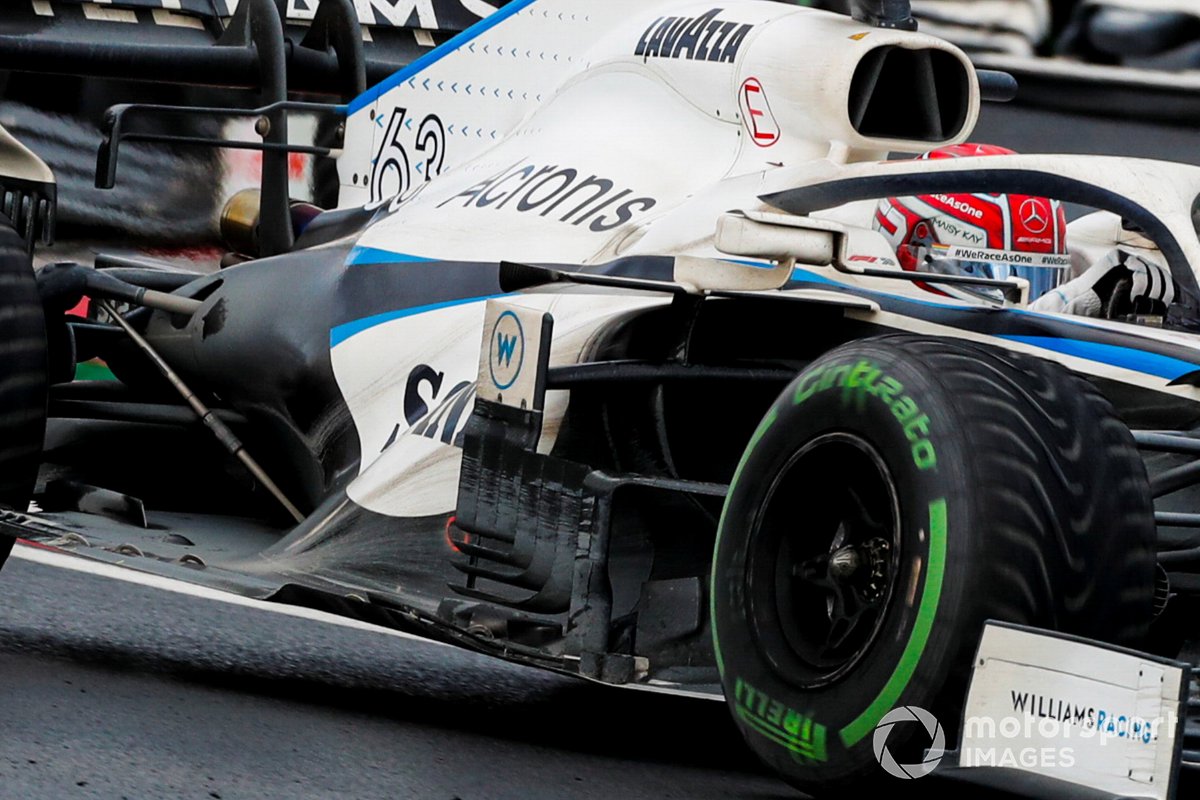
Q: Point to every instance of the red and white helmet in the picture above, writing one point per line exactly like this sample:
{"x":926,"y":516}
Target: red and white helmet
{"x":982,"y":235}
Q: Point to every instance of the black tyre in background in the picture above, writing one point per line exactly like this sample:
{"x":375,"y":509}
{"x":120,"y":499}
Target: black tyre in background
{"x":23,"y":376}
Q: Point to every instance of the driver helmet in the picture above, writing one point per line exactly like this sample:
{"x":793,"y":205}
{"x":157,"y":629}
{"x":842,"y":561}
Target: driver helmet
{"x":997,"y":236}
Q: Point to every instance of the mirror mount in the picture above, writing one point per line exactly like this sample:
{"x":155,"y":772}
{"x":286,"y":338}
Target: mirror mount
{"x":788,"y":240}
{"x":896,"y":14}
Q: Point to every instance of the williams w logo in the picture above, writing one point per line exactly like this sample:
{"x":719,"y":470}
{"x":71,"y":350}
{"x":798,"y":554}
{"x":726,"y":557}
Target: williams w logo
{"x":505,"y":347}
{"x":508,"y":351}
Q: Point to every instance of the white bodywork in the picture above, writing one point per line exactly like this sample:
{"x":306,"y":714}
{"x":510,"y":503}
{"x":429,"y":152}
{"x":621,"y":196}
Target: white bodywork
{"x":568,"y":72}
{"x":18,"y":161}
{"x":541,"y":136}
{"x":418,"y":476}
{"x":1084,"y":713}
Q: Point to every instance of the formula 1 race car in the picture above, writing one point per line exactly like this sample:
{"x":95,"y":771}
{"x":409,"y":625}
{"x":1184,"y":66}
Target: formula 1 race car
{"x":602,"y":367}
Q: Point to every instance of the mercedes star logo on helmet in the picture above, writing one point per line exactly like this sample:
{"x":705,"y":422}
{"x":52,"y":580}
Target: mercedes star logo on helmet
{"x":1034,"y":216}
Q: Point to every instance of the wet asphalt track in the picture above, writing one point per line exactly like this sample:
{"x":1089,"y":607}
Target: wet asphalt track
{"x":111,"y":690}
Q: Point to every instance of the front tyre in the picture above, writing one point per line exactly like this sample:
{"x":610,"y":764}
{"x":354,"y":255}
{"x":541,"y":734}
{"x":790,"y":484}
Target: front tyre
{"x":899,"y":493}
{"x":23,"y":377}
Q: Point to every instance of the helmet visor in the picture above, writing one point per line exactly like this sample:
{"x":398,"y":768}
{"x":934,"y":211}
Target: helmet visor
{"x":1044,"y":271}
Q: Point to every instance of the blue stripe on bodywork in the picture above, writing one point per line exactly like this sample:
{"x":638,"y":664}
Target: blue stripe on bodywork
{"x":1116,"y":355}
{"x":755,"y":264}
{"x":371,"y":255}
{"x":1130,"y":358}
{"x":437,"y":54}
{"x":801,"y":275}
{"x":343,"y":332}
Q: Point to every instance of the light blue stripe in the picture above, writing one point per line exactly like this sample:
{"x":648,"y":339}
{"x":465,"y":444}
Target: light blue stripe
{"x":1118,"y":356}
{"x":808,"y":276}
{"x":798,"y":273}
{"x":343,"y":332}
{"x":755,"y":264}
{"x":437,"y":54}
{"x":1129,"y":358}
{"x":371,"y":255}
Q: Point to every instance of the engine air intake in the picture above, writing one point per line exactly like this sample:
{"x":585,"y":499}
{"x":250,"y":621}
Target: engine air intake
{"x":916,"y":95}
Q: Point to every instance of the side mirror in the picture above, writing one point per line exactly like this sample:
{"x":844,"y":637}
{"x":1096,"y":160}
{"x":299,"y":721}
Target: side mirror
{"x":789,"y":239}
{"x":783,"y":238}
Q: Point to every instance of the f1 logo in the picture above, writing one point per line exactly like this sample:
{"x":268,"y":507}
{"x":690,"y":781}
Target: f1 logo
{"x":756,"y":114}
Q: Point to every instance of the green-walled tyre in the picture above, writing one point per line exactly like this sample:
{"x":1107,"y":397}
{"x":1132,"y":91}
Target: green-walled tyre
{"x":899,"y":493}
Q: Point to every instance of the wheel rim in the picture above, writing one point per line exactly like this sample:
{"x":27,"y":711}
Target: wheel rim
{"x":823,"y":559}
